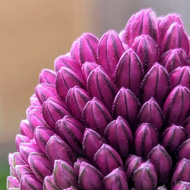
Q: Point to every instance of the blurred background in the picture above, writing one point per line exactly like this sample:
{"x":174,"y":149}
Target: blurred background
{"x":34,"y":33}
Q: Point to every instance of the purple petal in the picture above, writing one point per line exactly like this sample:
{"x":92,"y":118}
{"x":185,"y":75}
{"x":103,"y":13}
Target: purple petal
{"x":12,"y":182}
{"x":49,"y":184}
{"x":183,"y":151}
{"x":34,"y":100}
{"x":26,"y":129}
{"x":20,"y":170}
{"x":181,"y":185}
{"x":47,"y":76}
{"x":19,"y":139}
{"x":78,"y":163}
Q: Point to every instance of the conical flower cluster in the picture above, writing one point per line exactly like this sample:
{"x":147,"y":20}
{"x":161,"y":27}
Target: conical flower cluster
{"x":114,"y":115}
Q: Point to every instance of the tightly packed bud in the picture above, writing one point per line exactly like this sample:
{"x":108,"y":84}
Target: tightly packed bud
{"x":113,"y":115}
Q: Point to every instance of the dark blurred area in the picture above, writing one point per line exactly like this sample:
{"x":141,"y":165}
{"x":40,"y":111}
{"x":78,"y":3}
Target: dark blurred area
{"x":34,"y":33}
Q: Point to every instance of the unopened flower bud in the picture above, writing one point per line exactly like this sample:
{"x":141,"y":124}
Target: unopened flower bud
{"x":105,"y":153}
{"x":85,"y":48}
{"x":49,"y":183}
{"x":129,"y":71}
{"x":20,"y":170}
{"x":181,"y":185}
{"x":34,"y":100}
{"x":12,"y":182}
{"x":47,"y":76}
{"x":78,"y":163}
{"x":19,"y":139}
{"x":183,"y":151}
{"x":110,"y":50}
{"x":26,"y":129}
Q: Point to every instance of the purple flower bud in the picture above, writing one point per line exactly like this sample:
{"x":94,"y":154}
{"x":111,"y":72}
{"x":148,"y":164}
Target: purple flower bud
{"x":146,"y":137}
{"x":175,"y":37}
{"x":186,"y":125}
{"x":105,"y":153}
{"x":177,"y":105}
{"x":65,"y":80}
{"x":147,"y":50}
{"x":131,"y":164}
{"x":42,"y":136}
{"x":119,"y":136}
{"x":71,"y":130}
{"x":44,"y":91}
{"x":67,"y":62}
{"x":115,"y":180}
{"x":162,"y":163}
{"x":47,"y":76}
{"x":96,"y":115}
{"x":126,"y":105}
{"x":87,"y":67}
{"x":181,"y":76}
{"x":38,"y":169}
{"x":101,"y":86}
{"x":34,"y":100}
{"x":64,"y":175}
{"x":20,"y":170}
{"x":181,"y":171}
{"x":183,"y":151}
{"x":129,"y":71}
{"x":110,"y":50}
{"x":151,"y":112}
{"x":92,"y":141}
{"x":19,"y":139}
{"x":76,"y":99}
{"x":63,"y":151}
{"x":156,"y":84}
{"x":172,"y":137}
{"x":52,"y":112}
{"x":90,"y":177}
{"x":28,"y":181}
{"x":78,"y":163}
{"x":145,"y":18}
{"x":166,"y":22}
{"x":15,"y":159}
{"x":181,"y":185}
{"x":49,"y":184}
{"x":145,"y":177}
{"x":85,"y":48}
{"x":12,"y":182}
{"x":173,"y":58}
{"x":26,"y":129}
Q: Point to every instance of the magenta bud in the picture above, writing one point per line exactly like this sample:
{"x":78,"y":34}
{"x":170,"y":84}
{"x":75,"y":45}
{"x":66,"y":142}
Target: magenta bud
{"x":78,"y":163}
{"x":34,"y":100}
{"x":175,"y":37}
{"x":96,"y":116}
{"x":119,"y":136}
{"x":67,"y":62}
{"x":49,"y":184}
{"x":177,"y":105}
{"x":42,"y":136}
{"x":180,"y":76}
{"x":66,"y":79}
{"x":146,"y":137}
{"x":116,"y":180}
{"x":172,"y":137}
{"x":166,"y":22}
{"x":76,"y":99}
{"x":38,"y":169}
{"x":101,"y":86}
{"x":186,"y":125}
{"x":105,"y":153}
{"x":52,"y":112}
{"x":87,"y":67}
{"x":147,"y":51}
{"x":90,"y":177}
{"x":63,"y":151}
{"x":29,"y":181}
{"x":20,"y":170}
{"x":162,"y":163}
{"x":26,"y":129}
{"x":155,"y":84}
{"x":183,"y":151}
{"x":47,"y":76}
{"x":12,"y":182}
{"x":64,"y":175}
{"x":181,"y":171}
{"x":71,"y":130}
{"x":110,"y":50}
{"x":44,"y":91}
{"x":181,"y":185}
{"x":85,"y":48}
{"x":92,"y":141}
{"x":131,"y":164}
{"x":145,"y":18}
{"x":172,"y":59}
{"x":19,"y":139}
{"x":126,"y":105}
{"x":15,"y":159}
{"x":145,"y":177}
{"x":35,"y":119}
{"x":129,"y":71}
{"x":151,"y":112}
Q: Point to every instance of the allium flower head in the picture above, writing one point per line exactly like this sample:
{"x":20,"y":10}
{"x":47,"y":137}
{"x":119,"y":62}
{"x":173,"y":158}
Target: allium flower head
{"x":114,"y":115}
